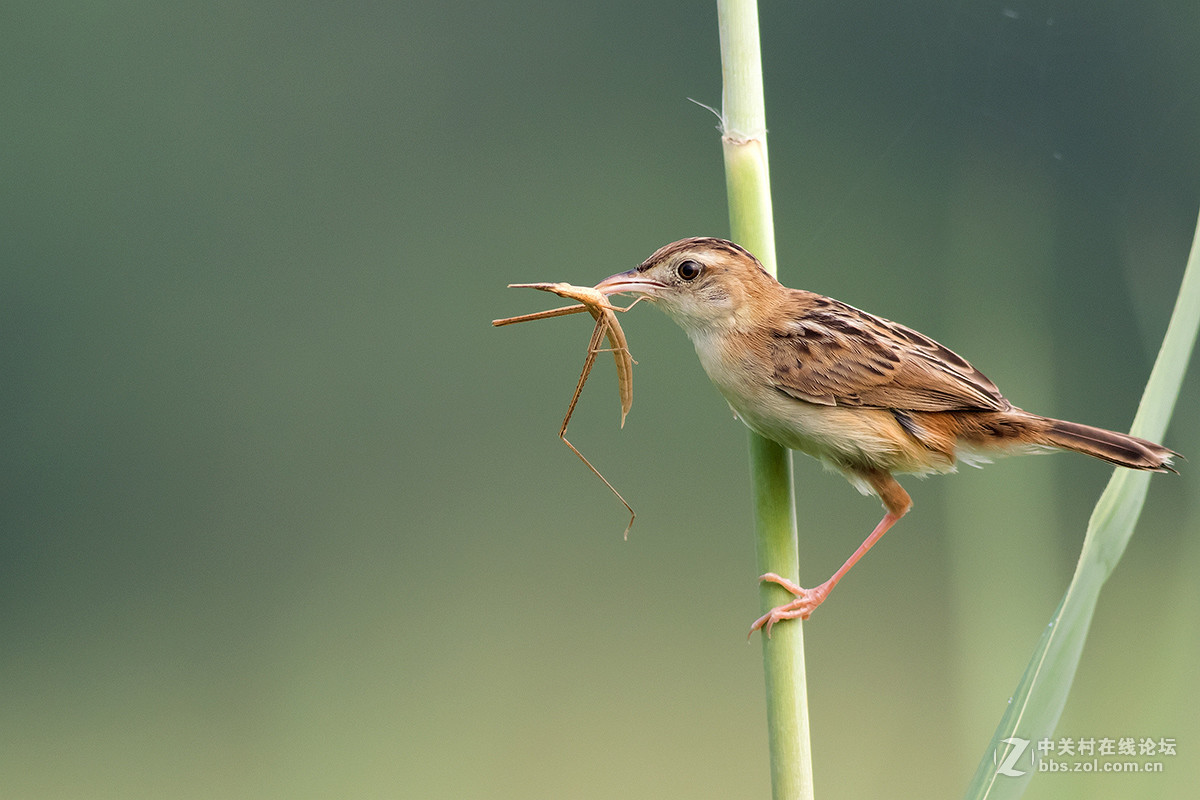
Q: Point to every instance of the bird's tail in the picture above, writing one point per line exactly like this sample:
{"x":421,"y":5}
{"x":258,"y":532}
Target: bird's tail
{"x":1116,"y":448}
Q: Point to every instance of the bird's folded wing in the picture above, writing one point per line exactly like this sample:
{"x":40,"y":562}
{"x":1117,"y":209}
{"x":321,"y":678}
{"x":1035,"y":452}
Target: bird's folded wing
{"x":837,"y":355}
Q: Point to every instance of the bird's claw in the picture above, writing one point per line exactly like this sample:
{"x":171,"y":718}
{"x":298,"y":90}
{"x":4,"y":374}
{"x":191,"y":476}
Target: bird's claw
{"x":805,"y":603}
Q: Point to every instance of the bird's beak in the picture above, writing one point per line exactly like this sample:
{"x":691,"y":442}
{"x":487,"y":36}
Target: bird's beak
{"x":630,"y":282}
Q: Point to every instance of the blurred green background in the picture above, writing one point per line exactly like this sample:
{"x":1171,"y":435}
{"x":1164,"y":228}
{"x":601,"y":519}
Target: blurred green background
{"x":283,"y":516}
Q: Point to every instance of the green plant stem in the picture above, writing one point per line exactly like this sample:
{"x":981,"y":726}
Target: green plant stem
{"x":783,"y":653}
{"x":744,"y":140}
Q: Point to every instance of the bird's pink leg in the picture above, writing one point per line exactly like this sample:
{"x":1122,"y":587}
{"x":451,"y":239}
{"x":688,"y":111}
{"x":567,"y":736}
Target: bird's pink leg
{"x":895,"y":500}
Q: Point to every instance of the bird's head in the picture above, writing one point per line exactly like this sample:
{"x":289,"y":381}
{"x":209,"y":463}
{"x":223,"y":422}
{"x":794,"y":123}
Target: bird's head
{"x":701,"y":283}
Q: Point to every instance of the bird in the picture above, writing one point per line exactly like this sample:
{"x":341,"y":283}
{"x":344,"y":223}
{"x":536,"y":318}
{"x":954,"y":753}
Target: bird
{"x":868,"y":397}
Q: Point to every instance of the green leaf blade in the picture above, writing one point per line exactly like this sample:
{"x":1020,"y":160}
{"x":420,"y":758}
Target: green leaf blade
{"x":1041,"y":694}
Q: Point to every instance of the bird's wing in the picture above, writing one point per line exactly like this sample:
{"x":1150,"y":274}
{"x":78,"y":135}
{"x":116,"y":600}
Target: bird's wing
{"x":833,"y":354}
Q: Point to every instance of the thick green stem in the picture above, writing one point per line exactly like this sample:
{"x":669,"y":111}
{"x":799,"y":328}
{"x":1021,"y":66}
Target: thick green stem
{"x":747,"y":179}
{"x":783,"y":653}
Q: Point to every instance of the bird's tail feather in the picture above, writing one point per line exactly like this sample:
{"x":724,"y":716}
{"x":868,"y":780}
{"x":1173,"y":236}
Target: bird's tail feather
{"x":1115,"y":448}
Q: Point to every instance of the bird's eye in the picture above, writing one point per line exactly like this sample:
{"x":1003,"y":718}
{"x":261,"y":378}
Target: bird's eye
{"x":688,"y":270}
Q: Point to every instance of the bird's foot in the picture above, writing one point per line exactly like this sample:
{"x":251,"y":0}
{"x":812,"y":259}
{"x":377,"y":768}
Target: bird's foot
{"x":805,"y":603}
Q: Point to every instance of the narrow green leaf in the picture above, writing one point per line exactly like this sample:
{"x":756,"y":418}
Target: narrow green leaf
{"x":1034,"y":709}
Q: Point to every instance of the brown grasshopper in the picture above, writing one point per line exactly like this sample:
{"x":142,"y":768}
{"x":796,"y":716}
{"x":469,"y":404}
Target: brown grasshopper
{"x":596,"y":303}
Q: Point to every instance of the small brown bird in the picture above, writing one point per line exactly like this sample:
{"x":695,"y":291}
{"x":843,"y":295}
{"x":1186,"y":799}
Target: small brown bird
{"x":866,"y":396}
